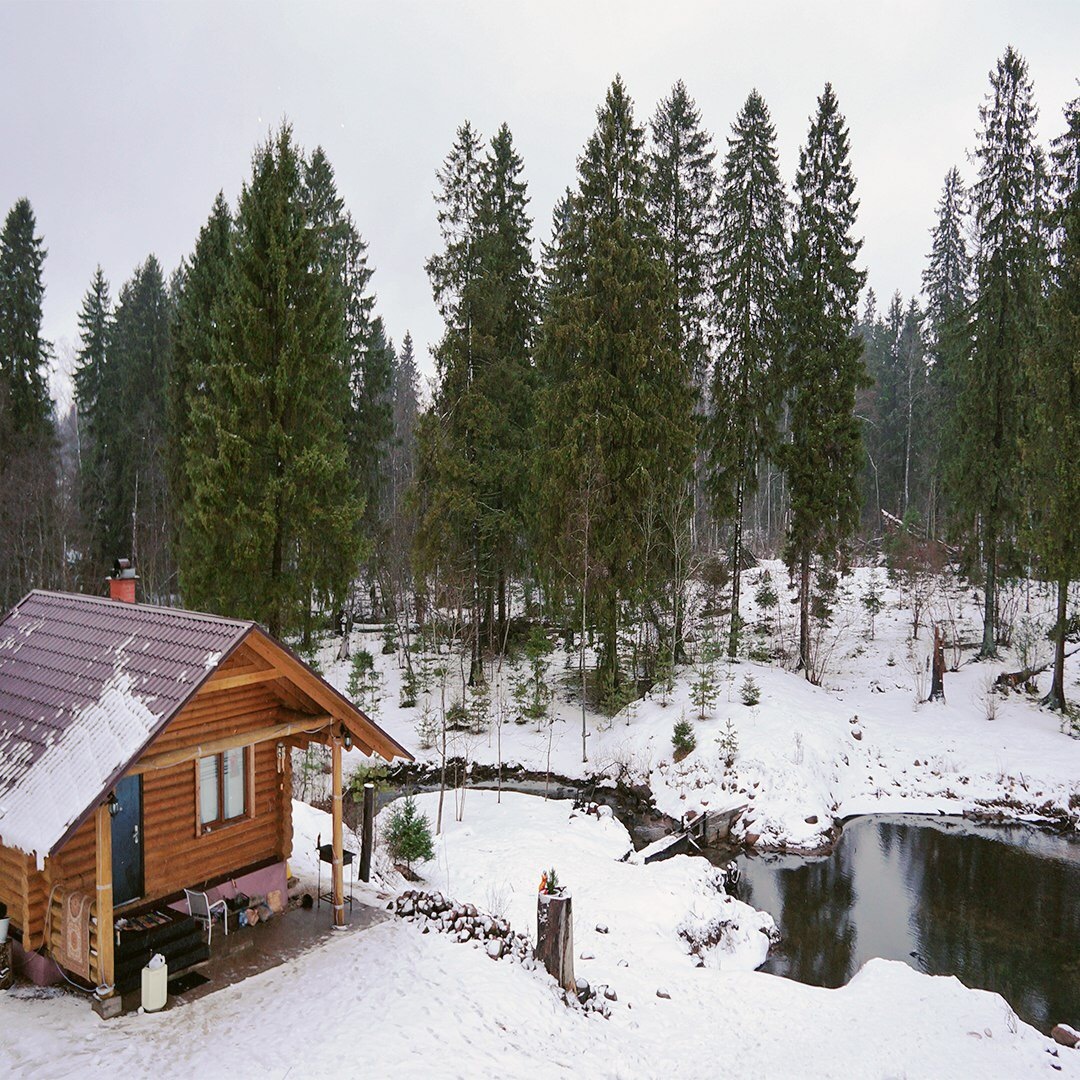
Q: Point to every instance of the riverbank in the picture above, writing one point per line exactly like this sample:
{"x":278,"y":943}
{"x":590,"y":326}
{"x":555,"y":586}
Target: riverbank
{"x":802,"y":757}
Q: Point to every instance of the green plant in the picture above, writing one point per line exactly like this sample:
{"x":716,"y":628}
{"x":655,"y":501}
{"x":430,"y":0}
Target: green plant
{"x":549,"y":882}
{"x":410,"y":687}
{"x":872,"y":600}
{"x":750,"y":692}
{"x":728,"y":741}
{"x":389,"y":639}
{"x":683,"y":738}
{"x":368,"y":774}
{"x":407,"y":834}
{"x":427,"y":726}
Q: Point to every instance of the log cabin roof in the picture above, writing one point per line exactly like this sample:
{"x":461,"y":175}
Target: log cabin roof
{"x":87,"y":683}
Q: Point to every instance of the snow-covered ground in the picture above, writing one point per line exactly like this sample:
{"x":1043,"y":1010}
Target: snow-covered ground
{"x":861,"y":742}
{"x":392,"y":1001}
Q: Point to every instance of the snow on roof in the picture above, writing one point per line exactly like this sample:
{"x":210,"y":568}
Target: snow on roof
{"x":85,"y":683}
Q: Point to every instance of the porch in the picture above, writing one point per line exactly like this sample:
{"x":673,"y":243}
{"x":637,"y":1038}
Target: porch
{"x":250,"y":950}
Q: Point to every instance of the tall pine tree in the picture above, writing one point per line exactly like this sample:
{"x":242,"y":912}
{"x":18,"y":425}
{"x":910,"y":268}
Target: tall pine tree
{"x":751,"y":258}
{"x":616,"y":416}
{"x":946,"y":287}
{"x":989,"y":375}
{"x":824,"y":368}
{"x":95,"y":323}
{"x":204,"y":282}
{"x":274,"y":510}
{"x":485,"y":285}
{"x":1051,"y":449}
{"x":30,"y":550}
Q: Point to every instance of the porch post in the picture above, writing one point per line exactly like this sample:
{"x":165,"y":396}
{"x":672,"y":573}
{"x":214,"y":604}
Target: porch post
{"x":339,"y":878}
{"x":103,"y":833}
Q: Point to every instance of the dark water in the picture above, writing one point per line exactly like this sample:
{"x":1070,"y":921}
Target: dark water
{"x":997,"y":906}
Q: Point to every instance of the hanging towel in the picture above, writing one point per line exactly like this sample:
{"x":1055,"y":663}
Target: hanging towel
{"x":74,"y":951}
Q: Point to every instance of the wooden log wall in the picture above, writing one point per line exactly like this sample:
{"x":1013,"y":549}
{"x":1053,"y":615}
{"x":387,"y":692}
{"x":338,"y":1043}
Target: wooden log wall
{"x":176,"y":853}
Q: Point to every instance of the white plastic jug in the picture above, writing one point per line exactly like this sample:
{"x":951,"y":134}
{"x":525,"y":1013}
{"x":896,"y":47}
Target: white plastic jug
{"x":155,"y":983}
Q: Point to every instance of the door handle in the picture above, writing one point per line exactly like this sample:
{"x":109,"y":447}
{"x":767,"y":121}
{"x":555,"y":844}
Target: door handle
{"x":135,"y":834}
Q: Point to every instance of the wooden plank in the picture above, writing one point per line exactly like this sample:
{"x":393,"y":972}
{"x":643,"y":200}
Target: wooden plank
{"x":272,"y":733}
{"x":245,"y":678}
{"x":339,"y":877}
{"x":104,"y":906}
{"x":362,"y":727}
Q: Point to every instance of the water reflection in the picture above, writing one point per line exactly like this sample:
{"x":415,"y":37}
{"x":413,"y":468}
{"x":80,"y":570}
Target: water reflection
{"x":999,"y":907}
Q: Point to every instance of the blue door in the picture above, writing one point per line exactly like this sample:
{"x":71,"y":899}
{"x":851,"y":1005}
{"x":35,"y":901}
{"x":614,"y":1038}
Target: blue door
{"x":127,"y":860}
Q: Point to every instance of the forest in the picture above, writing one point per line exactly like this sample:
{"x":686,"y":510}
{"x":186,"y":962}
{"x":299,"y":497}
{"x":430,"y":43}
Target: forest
{"x":683,"y":373}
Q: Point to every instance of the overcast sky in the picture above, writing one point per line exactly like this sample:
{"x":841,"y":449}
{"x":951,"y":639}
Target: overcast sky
{"x":122,"y":121}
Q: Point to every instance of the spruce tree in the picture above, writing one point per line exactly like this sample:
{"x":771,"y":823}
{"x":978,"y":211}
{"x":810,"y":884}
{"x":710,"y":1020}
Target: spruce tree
{"x":989,"y":395}
{"x":751,"y":258}
{"x":30,"y":549}
{"x":94,"y":419}
{"x":946,"y":286}
{"x":129,"y":416}
{"x":682,"y":201}
{"x":616,"y":413}
{"x":1051,"y":449}
{"x":484,"y":282}
{"x":824,"y":369}
{"x":204,"y":282}
{"x":274,"y":509}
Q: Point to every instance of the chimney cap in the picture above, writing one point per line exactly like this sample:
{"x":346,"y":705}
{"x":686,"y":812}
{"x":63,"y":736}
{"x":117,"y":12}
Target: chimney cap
{"x":123,"y":568}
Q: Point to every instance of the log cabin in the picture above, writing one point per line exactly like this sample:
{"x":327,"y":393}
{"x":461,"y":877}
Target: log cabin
{"x":145,"y":750}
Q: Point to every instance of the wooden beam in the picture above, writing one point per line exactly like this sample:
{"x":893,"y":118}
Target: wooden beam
{"x":104,"y":905}
{"x":339,"y":858}
{"x":244,"y":678}
{"x":295,"y":724}
{"x":363,"y":728}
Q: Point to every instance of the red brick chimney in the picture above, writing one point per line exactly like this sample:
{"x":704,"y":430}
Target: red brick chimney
{"x":122,"y":583}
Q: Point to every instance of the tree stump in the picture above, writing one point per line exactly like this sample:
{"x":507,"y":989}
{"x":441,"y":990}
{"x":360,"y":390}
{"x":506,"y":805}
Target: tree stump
{"x":555,"y":936}
{"x":937,"y":679}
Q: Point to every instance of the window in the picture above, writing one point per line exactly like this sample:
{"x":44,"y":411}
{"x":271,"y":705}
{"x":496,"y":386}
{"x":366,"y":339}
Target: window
{"x":222,"y":788}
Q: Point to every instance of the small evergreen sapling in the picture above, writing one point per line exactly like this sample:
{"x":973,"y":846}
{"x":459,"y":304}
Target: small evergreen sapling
{"x":683,"y":738}
{"x":408,"y":834}
{"x":872,"y":600}
{"x":750,"y":692}
{"x":728,"y":741}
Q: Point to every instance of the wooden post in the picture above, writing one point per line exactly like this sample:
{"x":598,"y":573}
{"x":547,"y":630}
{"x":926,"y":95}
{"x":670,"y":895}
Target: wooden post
{"x":937,"y":685}
{"x":105,"y":932}
{"x":369,"y":832}
{"x":555,"y":937}
{"x":339,"y":877}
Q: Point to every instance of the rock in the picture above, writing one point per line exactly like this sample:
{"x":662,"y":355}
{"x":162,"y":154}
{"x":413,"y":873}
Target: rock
{"x":601,"y":928}
{"x":610,"y":994}
{"x":751,"y":839}
{"x":812,"y":819}
{"x":495,"y":948}
{"x":587,"y":956}
{"x":663,"y":994}
{"x":857,"y":735}
{"x":1066,"y":1036}
{"x":582,"y":987}
{"x":623,"y":963}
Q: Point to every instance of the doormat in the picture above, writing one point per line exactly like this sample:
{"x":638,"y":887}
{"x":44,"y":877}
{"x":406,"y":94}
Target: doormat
{"x":183,"y":983}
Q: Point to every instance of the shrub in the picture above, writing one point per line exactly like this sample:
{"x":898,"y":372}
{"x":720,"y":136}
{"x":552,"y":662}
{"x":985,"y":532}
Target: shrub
{"x":683,"y":738}
{"x":750,"y":692}
{"x":407,"y":834}
{"x":728,"y":741}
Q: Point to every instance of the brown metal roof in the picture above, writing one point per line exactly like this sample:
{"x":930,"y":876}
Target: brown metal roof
{"x":85,"y":684}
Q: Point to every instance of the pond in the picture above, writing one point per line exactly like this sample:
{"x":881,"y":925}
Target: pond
{"x":996,"y":906}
